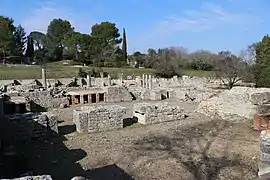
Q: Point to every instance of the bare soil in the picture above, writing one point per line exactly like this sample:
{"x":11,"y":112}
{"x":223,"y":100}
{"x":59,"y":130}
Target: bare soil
{"x":194,"y":148}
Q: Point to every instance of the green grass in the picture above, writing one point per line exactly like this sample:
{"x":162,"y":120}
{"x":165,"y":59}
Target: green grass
{"x":58,"y":70}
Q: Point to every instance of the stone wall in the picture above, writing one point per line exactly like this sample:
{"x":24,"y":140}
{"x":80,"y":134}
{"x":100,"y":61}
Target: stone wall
{"x":101,"y":118}
{"x":235,"y":104}
{"x":33,"y":125}
{"x":41,"y":100}
{"x":118,"y":94}
{"x":43,"y":177}
{"x":156,"y":113}
{"x":264,"y":164}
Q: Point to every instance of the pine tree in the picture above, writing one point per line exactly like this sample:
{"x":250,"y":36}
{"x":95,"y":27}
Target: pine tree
{"x":124,"y":46}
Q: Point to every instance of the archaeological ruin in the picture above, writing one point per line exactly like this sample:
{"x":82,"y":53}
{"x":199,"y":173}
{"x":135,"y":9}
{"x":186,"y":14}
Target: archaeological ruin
{"x":104,"y":104}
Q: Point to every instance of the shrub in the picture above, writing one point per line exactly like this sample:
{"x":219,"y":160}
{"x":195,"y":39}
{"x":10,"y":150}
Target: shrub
{"x":108,"y":64}
{"x":168,"y":72}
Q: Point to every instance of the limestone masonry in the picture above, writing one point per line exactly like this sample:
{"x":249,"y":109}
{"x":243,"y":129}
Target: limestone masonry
{"x":96,"y":119}
{"x":156,"y":113}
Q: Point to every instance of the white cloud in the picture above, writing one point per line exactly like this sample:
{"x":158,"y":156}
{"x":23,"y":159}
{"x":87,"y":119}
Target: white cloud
{"x":39,"y":18}
{"x":209,"y":16}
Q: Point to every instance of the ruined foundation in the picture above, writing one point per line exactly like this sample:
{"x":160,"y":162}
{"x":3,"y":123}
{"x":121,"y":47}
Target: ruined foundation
{"x":97,"y":119}
{"x":33,"y":125}
{"x":156,"y":113}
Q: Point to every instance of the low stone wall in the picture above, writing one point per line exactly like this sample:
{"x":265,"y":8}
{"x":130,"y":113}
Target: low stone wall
{"x":33,"y":125}
{"x":43,"y":177}
{"x":118,"y":94}
{"x":97,"y":119}
{"x":234,"y":105}
{"x":43,"y":100}
{"x":156,"y":113}
{"x":264,"y":164}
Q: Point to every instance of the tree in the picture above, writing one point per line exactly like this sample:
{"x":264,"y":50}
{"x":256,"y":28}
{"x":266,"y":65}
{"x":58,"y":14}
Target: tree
{"x":166,"y":65}
{"x":249,"y":54}
{"x":6,"y":36}
{"x":30,"y":47}
{"x":56,"y":32}
{"x":19,"y":40}
{"x":124,"y":46}
{"x":106,"y":38}
{"x":230,"y":69}
{"x":38,"y":38}
{"x":262,"y":63}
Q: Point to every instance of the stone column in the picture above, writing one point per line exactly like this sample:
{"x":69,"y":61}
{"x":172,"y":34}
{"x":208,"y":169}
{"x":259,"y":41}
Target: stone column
{"x":88,"y":81}
{"x":143,"y":80}
{"x":44,"y":80}
{"x":146,"y":81}
{"x":150,"y":83}
{"x":109,"y":80}
{"x":121,"y":79}
{"x":264,"y":164}
{"x":102,"y":78}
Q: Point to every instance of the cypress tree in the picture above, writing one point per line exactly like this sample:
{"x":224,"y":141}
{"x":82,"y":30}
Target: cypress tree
{"x":124,"y":46}
{"x":30,"y":47}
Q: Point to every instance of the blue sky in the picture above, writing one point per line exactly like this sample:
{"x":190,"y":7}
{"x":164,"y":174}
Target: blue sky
{"x":194,"y":24}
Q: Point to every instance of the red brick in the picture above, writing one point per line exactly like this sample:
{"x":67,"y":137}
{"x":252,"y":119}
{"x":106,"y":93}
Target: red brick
{"x":261,"y":122}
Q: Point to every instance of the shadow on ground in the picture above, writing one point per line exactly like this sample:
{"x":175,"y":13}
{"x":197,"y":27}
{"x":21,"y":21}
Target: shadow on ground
{"x":47,"y":155}
{"x":195,"y":149}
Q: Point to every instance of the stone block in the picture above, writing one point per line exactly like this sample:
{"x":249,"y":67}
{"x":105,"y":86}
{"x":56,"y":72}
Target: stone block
{"x":260,"y":98}
{"x":156,"y":113}
{"x":80,"y":118}
{"x":263,"y":109}
{"x":99,"y":118}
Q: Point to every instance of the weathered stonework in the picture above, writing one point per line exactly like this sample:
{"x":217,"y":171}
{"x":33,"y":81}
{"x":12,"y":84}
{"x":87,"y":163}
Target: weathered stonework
{"x":156,"y":113}
{"x":264,"y":164}
{"x":43,"y":100}
{"x":97,"y":119}
{"x":118,"y":94}
{"x":234,"y":105}
{"x":43,"y":177}
{"x":33,"y":125}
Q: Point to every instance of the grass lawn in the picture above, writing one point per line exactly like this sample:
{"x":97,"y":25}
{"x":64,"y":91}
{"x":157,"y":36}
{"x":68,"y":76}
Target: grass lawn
{"x":58,"y":70}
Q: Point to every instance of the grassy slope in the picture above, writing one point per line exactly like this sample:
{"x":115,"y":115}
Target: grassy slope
{"x":58,"y":70}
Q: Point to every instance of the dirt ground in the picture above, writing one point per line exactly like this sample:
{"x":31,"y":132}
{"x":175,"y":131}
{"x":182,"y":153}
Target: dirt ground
{"x":194,"y":148}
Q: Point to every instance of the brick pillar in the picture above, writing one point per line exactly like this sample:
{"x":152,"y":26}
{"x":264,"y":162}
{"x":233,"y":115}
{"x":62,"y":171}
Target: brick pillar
{"x":81,"y":99}
{"x":73,"y":99}
{"x":97,"y":97}
{"x":89,"y":98}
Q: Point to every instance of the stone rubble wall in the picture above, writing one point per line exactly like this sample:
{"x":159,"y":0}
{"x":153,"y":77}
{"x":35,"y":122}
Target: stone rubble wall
{"x":43,"y":99}
{"x":156,"y":113}
{"x":118,"y":94}
{"x":43,"y":177}
{"x":235,"y":104}
{"x":101,"y":118}
{"x":264,"y":164}
{"x":151,"y":94}
{"x":33,"y":125}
